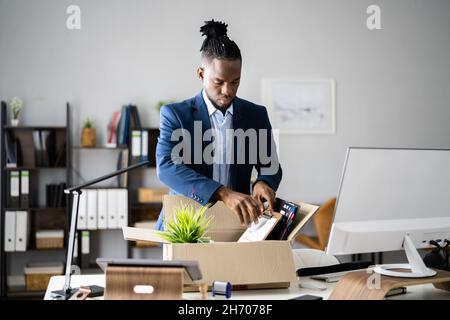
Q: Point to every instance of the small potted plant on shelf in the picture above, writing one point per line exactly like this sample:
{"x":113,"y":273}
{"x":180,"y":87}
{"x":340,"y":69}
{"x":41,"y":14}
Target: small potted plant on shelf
{"x":160,"y":103}
{"x":88,"y":134}
{"x":187,"y":226}
{"x":16,"y":107}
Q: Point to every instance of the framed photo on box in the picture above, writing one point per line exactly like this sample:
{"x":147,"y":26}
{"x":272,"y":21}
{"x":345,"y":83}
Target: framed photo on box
{"x":300,"y":106}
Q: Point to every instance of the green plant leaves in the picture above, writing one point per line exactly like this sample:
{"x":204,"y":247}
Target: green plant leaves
{"x":187,"y":225}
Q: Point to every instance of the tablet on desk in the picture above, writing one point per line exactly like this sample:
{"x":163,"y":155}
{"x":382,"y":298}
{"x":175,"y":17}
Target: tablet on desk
{"x":191,"y":267}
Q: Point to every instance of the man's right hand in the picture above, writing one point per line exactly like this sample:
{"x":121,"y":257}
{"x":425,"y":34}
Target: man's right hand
{"x":244,"y":206}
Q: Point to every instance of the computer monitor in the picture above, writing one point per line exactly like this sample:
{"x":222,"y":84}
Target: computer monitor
{"x":392,"y":199}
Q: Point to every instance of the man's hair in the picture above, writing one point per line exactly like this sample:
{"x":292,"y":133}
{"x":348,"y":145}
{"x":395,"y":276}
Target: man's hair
{"x":217,"y":44}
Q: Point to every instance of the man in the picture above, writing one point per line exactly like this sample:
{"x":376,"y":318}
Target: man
{"x":216,"y":110}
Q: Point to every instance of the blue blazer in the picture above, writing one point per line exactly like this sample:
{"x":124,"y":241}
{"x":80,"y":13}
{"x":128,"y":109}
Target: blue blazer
{"x":194,"y":180}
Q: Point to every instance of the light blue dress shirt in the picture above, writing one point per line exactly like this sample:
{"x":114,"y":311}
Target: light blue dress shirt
{"x":222,"y":126}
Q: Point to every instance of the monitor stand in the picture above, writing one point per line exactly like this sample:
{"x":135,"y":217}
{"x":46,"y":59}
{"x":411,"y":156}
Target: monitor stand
{"x":416,"y":266}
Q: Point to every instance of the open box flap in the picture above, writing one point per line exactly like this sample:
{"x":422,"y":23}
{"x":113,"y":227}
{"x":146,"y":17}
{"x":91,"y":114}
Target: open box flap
{"x":142,"y":234}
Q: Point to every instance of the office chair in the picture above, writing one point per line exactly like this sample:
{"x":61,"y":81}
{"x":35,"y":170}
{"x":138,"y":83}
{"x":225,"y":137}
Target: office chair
{"x":323,"y":220}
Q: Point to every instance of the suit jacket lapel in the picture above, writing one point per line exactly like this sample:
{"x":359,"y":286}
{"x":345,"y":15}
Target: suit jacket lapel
{"x":200,"y":113}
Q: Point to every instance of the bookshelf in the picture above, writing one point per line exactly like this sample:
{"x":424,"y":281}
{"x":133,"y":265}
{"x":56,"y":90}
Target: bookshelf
{"x":56,"y":164}
{"x":136,"y":211}
{"x":43,"y":217}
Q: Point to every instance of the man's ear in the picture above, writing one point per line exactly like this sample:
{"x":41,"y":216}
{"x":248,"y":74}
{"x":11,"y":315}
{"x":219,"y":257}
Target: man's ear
{"x":200,"y":73}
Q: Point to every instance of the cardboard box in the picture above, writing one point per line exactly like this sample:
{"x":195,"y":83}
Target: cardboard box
{"x":149,"y":195}
{"x":145,"y":225}
{"x":259,"y":264}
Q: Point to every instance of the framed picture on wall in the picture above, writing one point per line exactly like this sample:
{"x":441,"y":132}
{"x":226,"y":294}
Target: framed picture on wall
{"x":300,"y":106}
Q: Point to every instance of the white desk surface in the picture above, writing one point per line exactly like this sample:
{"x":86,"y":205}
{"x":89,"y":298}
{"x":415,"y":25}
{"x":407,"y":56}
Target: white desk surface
{"x":418,"y":292}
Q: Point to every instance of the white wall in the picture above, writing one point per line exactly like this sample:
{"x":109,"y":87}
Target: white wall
{"x":393,"y":85}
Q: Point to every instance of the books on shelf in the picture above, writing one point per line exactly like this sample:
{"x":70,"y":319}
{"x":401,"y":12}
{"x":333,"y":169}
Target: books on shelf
{"x":139,"y":146}
{"x":112,"y":127}
{"x":121,"y":125}
{"x":55,"y":196}
{"x":12,"y":151}
{"x":48,"y":153}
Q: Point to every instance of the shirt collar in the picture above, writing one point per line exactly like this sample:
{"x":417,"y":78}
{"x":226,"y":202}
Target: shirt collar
{"x":210,"y":106}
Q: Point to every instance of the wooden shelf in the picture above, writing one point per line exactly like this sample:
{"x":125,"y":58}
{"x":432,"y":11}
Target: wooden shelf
{"x":100,"y":148}
{"x":21,"y":293}
{"x":31,"y":168}
{"x":146,"y":205}
{"x":36,"y":209}
{"x":9,"y":127}
{"x":35,"y":249}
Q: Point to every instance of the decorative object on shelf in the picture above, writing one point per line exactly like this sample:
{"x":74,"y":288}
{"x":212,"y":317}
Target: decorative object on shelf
{"x":160,"y":103}
{"x":16,"y":105}
{"x":88,"y":134}
{"x":187,"y":225}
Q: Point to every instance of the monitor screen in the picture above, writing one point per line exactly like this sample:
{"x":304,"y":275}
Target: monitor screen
{"x":387,"y":193}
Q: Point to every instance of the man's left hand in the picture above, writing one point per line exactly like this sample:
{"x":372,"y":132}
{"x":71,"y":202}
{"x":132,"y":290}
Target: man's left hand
{"x":261,"y":192}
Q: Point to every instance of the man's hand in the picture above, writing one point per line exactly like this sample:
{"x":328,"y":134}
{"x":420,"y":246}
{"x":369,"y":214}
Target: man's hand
{"x":244,"y":206}
{"x":261,"y":192}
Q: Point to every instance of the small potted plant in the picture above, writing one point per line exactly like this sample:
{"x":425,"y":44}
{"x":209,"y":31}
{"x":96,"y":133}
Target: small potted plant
{"x":16,"y":107}
{"x":187,"y":226}
{"x":160,"y":103}
{"x":88,"y":134}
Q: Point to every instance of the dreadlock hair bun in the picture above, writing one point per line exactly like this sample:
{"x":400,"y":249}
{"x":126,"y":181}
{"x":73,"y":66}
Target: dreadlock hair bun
{"x":217,"y":44}
{"x":214,"y":29}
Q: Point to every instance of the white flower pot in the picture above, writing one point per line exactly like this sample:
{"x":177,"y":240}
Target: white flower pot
{"x":14,"y":122}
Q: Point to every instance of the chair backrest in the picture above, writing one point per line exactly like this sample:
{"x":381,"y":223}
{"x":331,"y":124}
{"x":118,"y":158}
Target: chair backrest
{"x":323,"y":220}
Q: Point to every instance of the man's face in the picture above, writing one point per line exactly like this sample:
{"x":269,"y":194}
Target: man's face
{"x":220,"y":80}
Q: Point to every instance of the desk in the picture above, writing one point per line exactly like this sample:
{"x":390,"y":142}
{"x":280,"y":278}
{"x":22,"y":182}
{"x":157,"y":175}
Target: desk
{"x":419,"y":292}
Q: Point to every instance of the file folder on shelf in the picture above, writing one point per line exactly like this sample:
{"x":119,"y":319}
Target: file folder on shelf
{"x":85,"y":248}
{"x":144,"y":148}
{"x":92,"y":209}
{"x":22,"y":230}
{"x":136,"y":141}
{"x":24,"y":189}
{"x":14,"y":190}
{"x":122,"y":207}
{"x":10,"y":231}
{"x":82,"y":211}
{"x":112,"y":209}
{"x":102,"y":199}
